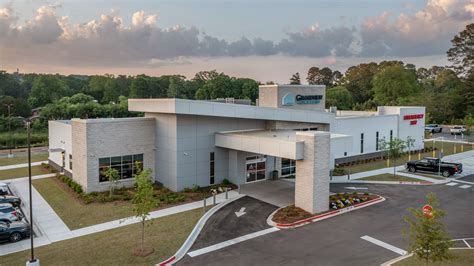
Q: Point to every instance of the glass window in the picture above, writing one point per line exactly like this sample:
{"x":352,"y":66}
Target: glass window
{"x":126,"y":165}
{"x":70,"y":161}
{"x":377,"y":141}
{"x":211,"y":168}
{"x":288,"y":167}
{"x":362,"y":143}
{"x":104,"y":164}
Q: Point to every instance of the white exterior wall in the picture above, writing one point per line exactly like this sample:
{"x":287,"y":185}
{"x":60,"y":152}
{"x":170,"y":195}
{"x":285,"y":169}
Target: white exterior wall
{"x":405,"y":129}
{"x":368,"y":125}
{"x":60,"y":136}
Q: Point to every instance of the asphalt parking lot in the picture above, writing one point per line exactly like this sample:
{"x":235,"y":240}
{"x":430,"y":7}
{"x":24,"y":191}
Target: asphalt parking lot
{"x":337,"y":241}
{"x":446,"y":135}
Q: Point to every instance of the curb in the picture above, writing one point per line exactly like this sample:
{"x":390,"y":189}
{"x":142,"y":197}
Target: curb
{"x":194,"y":234}
{"x":322,"y":216}
{"x":386,"y":182}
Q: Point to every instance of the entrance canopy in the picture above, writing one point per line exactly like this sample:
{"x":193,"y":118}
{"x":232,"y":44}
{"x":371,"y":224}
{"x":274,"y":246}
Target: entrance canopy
{"x":279,"y":143}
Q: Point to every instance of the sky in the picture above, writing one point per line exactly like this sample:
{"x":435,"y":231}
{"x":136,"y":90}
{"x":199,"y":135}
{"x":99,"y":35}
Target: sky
{"x":261,"y":39}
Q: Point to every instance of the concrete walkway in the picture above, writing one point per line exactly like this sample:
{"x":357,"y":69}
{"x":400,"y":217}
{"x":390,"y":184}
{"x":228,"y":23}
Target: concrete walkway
{"x":21,"y":165}
{"x":50,"y":228}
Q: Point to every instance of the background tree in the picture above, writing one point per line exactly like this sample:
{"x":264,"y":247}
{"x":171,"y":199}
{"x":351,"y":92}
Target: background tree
{"x":394,"y":83}
{"x":394,"y":148}
{"x":462,"y":52}
{"x":340,"y":97}
{"x":47,"y":89}
{"x":113,"y":177}
{"x":358,"y":80}
{"x":295,"y":79}
{"x":143,"y":201}
{"x":321,"y":76}
{"x":427,"y":235}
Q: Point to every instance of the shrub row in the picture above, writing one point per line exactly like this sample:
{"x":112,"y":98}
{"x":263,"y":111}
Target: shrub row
{"x":71,"y":183}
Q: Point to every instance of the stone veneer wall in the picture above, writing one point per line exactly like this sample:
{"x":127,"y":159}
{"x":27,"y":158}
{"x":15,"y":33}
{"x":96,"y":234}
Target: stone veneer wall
{"x":312,"y":173}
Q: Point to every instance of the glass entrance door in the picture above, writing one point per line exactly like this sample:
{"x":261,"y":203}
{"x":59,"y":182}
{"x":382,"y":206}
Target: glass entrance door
{"x":256,"y":168}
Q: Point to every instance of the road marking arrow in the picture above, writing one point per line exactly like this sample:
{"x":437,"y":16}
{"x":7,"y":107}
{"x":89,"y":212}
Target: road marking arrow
{"x":241,"y":212}
{"x":356,"y":188}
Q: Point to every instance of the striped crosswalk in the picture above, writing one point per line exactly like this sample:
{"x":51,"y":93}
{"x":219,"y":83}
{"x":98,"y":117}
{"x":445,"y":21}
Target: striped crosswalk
{"x":458,"y":185}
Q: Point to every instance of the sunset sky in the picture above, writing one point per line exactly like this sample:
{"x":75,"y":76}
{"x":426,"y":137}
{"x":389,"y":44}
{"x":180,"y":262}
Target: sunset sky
{"x":261,"y":39}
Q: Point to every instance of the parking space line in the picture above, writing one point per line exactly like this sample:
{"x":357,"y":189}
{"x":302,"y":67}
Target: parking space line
{"x":467,"y":244}
{"x":384,"y":245}
{"x":465,"y":186}
{"x":452,"y":184}
{"x":231,"y":242}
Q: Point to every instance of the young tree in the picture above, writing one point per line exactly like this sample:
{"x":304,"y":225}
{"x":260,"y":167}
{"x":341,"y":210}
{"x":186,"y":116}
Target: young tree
{"x":427,"y":235}
{"x":143,"y":201}
{"x":295,"y":79}
{"x":113,"y":177}
{"x":395,"y":149}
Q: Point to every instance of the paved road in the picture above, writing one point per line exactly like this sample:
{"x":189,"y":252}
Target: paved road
{"x":337,"y":241}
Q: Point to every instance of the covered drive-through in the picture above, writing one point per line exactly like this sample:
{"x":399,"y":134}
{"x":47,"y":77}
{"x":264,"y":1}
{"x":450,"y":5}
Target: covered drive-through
{"x":310,"y":150}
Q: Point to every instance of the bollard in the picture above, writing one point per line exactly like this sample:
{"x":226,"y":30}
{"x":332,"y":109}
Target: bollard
{"x":226,"y":194}
{"x":419,"y":155}
{"x":204,"y":204}
{"x":239,"y":188}
{"x":462,"y":147}
{"x":214,"y":199}
{"x":349,"y":175}
{"x":454,"y":148}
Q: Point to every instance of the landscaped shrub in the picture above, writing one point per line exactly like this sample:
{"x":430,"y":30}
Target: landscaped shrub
{"x":72,"y":184}
{"x":195,"y":188}
{"x":338,"y":171}
{"x":225,"y":181}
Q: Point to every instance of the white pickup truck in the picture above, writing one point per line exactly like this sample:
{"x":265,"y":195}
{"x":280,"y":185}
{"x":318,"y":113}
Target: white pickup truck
{"x":457,"y":130}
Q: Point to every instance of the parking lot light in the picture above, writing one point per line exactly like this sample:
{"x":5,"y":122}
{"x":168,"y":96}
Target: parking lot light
{"x":32,"y":261}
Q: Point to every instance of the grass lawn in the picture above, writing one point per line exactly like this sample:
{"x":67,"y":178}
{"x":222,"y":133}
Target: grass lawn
{"x":389,"y":177}
{"x":73,"y":211}
{"x":24,"y":159}
{"x":463,"y":257}
{"x":22,"y":172}
{"x":447,"y":147}
{"x":114,"y":247}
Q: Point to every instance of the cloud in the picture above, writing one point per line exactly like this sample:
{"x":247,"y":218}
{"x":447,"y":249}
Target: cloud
{"x":426,"y":32}
{"x":107,"y":41}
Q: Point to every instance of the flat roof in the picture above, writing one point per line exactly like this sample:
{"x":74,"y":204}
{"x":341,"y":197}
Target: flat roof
{"x":206,"y":108}
{"x":288,"y":135}
{"x":111,"y":120}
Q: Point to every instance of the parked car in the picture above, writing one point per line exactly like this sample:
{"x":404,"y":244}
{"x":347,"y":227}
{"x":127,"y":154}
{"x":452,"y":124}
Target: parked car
{"x":433,"y":128}
{"x":8,"y":213}
{"x":14,"y":200}
{"x":434,"y":165}
{"x":457,"y":130}
{"x":4,"y":189}
{"x":14,"y":231}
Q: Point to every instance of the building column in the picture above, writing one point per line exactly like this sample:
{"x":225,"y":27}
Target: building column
{"x":312,"y":173}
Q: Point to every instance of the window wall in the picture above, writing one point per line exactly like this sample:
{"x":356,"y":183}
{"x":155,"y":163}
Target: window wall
{"x":126,"y":165}
{"x":288,"y":167}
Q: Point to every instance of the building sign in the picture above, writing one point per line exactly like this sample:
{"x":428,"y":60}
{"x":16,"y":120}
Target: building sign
{"x":292,"y":99}
{"x":412,"y":117}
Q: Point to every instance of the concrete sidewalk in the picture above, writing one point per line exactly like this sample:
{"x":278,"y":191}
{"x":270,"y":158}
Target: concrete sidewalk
{"x":21,"y":165}
{"x":53,"y":229}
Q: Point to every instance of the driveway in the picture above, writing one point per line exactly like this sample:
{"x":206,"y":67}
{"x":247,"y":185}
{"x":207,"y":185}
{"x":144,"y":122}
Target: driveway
{"x":338,"y":240}
{"x":276,"y":192}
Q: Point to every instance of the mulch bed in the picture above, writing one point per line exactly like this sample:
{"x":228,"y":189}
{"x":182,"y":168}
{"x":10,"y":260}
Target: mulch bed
{"x":291,"y":214}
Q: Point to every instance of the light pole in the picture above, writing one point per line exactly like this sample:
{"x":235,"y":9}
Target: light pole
{"x":32,"y":261}
{"x":9,"y":106}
